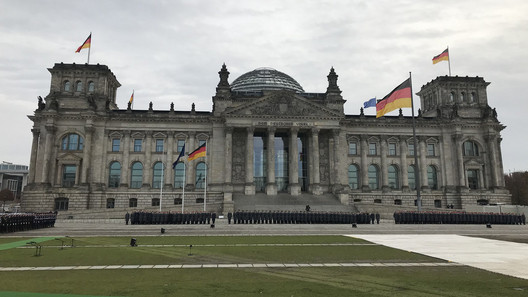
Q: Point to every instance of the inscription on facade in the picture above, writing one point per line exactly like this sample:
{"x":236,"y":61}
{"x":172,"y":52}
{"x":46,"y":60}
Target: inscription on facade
{"x":283,"y":124}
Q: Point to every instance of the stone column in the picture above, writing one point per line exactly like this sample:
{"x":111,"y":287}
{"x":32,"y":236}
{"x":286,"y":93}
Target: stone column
{"x":87,"y":154}
{"x":147,"y":167}
{"x":34,"y":153}
{"x":271,"y":186}
{"x":384,"y":165}
{"x":423,"y":163}
{"x":228,"y":168}
{"x":403,"y":164}
{"x":460,"y":162}
{"x":249,"y":188}
{"x":294,"y":188}
{"x":316,"y":174}
{"x":126,"y":159}
{"x":169,"y":158}
{"x":364,"y":163}
{"x":48,"y":146}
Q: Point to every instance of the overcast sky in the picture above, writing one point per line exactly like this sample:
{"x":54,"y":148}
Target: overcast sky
{"x":171,"y":51}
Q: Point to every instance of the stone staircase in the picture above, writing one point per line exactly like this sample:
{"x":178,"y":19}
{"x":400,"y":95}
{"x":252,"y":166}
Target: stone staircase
{"x":287,"y":202}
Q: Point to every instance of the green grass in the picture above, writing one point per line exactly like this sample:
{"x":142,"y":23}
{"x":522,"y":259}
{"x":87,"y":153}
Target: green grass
{"x":313,"y":281}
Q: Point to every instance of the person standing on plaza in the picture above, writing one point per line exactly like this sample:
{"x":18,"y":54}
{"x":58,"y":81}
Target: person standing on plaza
{"x":127,"y":217}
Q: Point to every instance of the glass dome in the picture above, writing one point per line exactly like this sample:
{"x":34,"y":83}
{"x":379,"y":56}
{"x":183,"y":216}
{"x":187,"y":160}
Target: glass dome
{"x":263,"y":79}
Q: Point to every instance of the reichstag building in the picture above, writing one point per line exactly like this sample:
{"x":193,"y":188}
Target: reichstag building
{"x":265,"y":136}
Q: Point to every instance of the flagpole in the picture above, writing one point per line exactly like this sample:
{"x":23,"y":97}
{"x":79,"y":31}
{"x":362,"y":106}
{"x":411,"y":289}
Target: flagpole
{"x":205,"y":188}
{"x":161,"y":181}
{"x":183,"y":187}
{"x":89,"y":48}
{"x":449,"y":61}
{"x":417,"y":171}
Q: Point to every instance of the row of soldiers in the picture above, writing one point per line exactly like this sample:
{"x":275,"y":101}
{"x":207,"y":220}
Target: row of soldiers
{"x":461,"y":217}
{"x":301,"y":217}
{"x":13,"y":222}
{"x":153,"y":217}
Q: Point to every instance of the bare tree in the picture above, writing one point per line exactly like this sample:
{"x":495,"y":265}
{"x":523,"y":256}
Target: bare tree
{"x":517,"y":184}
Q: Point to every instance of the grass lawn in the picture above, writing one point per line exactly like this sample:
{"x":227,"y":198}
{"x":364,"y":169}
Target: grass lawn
{"x":310,"y":281}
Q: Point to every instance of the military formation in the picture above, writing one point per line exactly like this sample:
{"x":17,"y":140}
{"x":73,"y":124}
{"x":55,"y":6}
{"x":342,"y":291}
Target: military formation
{"x":302,"y":217}
{"x":13,"y":222}
{"x":459,"y":217}
{"x":154,"y":217}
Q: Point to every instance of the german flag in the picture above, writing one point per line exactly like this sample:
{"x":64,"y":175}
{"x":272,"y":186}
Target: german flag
{"x":399,"y":97}
{"x":86,"y":43}
{"x":197,"y":153}
{"x":444,"y":56}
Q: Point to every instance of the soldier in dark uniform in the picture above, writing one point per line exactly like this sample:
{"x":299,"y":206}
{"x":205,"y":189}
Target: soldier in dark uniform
{"x":229,"y":216}
{"x":213,"y":217}
{"x":127,"y":217}
{"x":377,"y":218}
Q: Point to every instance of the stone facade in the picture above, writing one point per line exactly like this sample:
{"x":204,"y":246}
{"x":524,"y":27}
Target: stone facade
{"x":89,"y":154}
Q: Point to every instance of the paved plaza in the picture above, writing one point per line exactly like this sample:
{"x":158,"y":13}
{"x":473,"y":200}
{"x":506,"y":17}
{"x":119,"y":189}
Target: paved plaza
{"x":459,"y":244}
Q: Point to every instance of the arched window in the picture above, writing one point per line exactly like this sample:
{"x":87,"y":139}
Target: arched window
{"x":72,"y":142}
{"x":432,"y":177}
{"x":411,"y":174}
{"x":452,"y":97}
{"x":464,"y":97}
{"x":110,"y":203}
{"x":67,"y":86}
{"x":136,"y":178}
{"x":394,"y":178}
{"x":114,"y":176}
{"x":470,"y":148}
{"x":61,"y":203}
{"x":472,"y":97}
{"x":353,"y":177}
{"x":200,"y":175}
{"x":179,"y":175}
{"x":91,"y":87}
{"x":157,"y":175}
{"x":373,"y":177}
{"x":78,"y":86}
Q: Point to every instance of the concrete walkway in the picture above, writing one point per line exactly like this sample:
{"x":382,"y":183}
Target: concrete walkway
{"x":509,"y":258}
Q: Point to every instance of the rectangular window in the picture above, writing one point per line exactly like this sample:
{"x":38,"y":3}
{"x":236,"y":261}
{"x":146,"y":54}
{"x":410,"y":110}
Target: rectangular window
{"x":132,"y":202}
{"x":137,"y":145}
{"x":473,"y":178}
{"x":352,"y":148}
{"x":68,"y":175}
{"x":200,"y":142}
{"x":431,"y":149}
{"x":392,"y":149}
{"x":373,"y":149}
{"x":410,"y":148}
{"x":159,"y":145}
{"x":115,"y":144}
{"x":181,"y":143}
{"x":438,"y":203}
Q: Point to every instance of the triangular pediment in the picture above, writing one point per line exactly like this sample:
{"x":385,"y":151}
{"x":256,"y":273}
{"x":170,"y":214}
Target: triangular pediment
{"x":71,"y":157}
{"x":282,"y":104}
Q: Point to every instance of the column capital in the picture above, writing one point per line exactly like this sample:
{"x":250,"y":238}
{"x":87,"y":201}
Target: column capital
{"x":294,"y":130}
{"x":315,"y":130}
{"x":229,"y":130}
{"x":35,"y":131}
{"x":272,"y":130}
{"x":250,"y":129}
{"x":89,"y":129}
{"x":50,"y":128}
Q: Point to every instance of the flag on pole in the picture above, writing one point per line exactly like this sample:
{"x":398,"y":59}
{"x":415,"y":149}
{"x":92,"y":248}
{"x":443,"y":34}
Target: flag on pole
{"x":370,"y":103}
{"x":86,"y":43}
{"x":197,"y":153}
{"x":399,"y":97}
{"x":444,"y":56}
{"x":182,"y":153}
{"x":131,"y":98}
